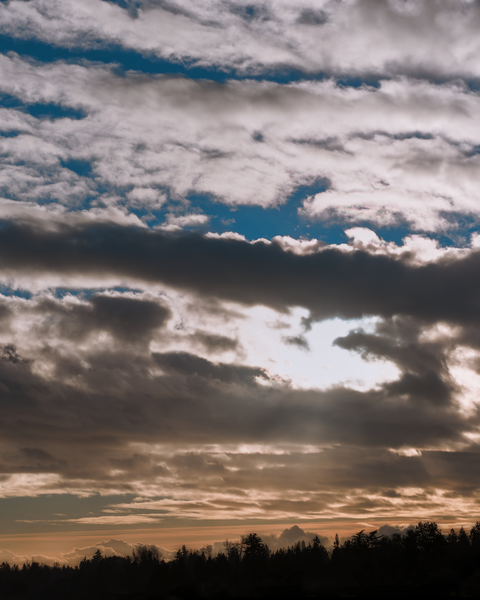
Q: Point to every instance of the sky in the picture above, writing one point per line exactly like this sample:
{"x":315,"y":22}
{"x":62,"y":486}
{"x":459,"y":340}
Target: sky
{"x":239,"y":258}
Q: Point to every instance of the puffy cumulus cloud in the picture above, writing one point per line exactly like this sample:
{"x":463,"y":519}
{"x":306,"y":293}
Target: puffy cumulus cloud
{"x":177,"y":223}
{"x":405,"y":151}
{"x":393,"y":529}
{"x":438,"y":39}
{"x":291,"y":536}
{"x":288,"y":537}
{"x":146,"y":197}
{"x":72,"y":558}
{"x":118,"y":547}
{"x":20,"y":559}
{"x":52,"y":215}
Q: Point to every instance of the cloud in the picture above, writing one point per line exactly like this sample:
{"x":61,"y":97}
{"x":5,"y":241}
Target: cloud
{"x":149,"y":197}
{"x":208,"y":440}
{"x":352,"y":38}
{"x":405,"y":151}
{"x":334,"y":282}
{"x":392,"y":529}
{"x":72,"y":558}
{"x":161,"y":363}
{"x":290,"y":537}
{"x":97,"y":397}
{"x":213,"y":342}
{"x":125,"y":318}
{"x":297,"y":340}
{"x":189,"y":220}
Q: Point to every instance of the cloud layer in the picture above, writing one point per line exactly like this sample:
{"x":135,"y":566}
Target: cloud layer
{"x":369,"y":37}
{"x":334,"y":281}
{"x":154,"y":348}
{"x":403,"y":152}
{"x":113,"y":393}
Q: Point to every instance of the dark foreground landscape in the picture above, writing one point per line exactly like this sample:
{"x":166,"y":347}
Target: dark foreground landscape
{"x":423,"y":563}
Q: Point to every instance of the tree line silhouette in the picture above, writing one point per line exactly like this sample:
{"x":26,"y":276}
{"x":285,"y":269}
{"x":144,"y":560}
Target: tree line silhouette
{"x":421,"y":563}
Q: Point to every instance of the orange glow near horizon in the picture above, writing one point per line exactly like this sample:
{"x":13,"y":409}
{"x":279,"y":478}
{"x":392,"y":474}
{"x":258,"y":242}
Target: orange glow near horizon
{"x":172,"y":538}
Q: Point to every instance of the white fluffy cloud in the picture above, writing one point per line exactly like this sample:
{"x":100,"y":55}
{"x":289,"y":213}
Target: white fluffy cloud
{"x":356,"y":37}
{"x":72,"y":558}
{"x":406,"y":151}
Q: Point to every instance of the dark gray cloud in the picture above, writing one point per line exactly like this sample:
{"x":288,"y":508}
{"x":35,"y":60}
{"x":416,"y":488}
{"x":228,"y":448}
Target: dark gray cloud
{"x":297,"y":340}
{"x":192,"y":365}
{"x":290,"y":536}
{"x":81,"y":422}
{"x":330,"y":283}
{"x":213,"y":342}
{"x":126,"y":318}
{"x":96,"y":415}
{"x":425,"y":374}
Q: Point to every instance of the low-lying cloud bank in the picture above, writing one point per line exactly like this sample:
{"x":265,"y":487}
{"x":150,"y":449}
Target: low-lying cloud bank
{"x":112,"y":547}
{"x":117,"y":547}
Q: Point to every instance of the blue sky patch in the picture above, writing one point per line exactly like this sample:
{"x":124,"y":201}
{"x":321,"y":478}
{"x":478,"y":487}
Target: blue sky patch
{"x":41,"y":110}
{"x":50,"y":510}
{"x":54,"y":111}
{"x":82,"y":168}
{"x":10,"y":291}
